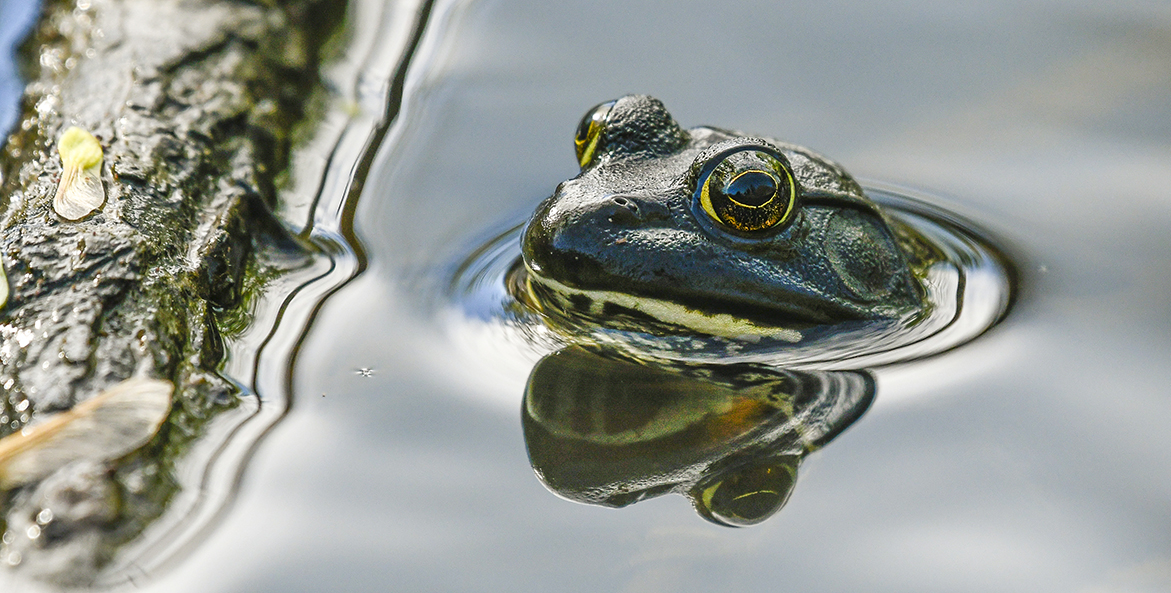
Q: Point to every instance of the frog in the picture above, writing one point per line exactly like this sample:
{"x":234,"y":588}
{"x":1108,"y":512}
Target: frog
{"x":714,"y":232}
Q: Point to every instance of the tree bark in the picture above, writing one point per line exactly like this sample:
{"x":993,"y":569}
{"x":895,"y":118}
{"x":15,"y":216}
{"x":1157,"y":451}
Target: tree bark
{"x":194,"y":102}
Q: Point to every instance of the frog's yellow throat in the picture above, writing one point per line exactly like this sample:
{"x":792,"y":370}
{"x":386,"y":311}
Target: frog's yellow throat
{"x":714,"y":324}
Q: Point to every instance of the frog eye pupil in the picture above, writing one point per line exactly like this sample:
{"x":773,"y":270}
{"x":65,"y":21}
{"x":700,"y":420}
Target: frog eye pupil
{"x":752,"y":189}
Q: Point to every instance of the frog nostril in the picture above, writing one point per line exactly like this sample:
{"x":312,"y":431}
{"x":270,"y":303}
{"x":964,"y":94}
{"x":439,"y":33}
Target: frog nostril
{"x":627,"y":211}
{"x":625,"y":203}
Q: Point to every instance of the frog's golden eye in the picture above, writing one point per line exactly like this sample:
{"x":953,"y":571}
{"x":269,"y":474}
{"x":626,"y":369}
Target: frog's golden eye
{"x":589,"y":131}
{"x":748,"y":189}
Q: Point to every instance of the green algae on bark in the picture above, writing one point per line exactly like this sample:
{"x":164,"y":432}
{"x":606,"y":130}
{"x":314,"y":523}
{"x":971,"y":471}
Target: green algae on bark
{"x":194,"y":103}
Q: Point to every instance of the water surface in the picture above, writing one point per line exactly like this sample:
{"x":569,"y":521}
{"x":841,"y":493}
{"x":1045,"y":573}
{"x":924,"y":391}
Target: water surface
{"x":16,"y":17}
{"x":1031,"y":459}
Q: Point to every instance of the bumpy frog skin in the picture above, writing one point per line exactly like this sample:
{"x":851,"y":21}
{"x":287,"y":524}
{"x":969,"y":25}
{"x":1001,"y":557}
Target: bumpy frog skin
{"x":713,"y":231}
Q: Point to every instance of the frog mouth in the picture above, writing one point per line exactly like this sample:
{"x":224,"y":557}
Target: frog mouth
{"x":550,"y":296}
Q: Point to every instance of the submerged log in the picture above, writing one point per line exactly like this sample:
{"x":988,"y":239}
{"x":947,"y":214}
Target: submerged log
{"x":194,"y":103}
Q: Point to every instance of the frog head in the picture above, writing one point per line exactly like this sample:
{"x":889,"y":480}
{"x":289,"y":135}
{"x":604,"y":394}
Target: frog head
{"x":711,"y":231}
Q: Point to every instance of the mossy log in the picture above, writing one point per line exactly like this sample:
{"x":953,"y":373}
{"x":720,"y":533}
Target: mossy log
{"x":194,"y":103}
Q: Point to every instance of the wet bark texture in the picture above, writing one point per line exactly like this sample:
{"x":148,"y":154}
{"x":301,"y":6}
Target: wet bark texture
{"x":194,"y":102}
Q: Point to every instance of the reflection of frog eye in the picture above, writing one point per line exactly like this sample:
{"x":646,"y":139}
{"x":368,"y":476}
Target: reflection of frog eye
{"x":589,"y":131}
{"x":747,"y":189}
{"x":747,"y":495}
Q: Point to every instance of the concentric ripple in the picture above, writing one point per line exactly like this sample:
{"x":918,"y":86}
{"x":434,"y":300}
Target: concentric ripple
{"x":969,"y":290}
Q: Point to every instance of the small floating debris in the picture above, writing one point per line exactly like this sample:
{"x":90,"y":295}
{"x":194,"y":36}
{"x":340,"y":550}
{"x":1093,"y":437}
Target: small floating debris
{"x":80,"y":191}
{"x":116,"y":422}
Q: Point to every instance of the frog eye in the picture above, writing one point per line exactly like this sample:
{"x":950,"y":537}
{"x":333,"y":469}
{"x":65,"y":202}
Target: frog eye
{"x":748,"y":189}
{"x":589,"y":131}
{"x":747,"y":495}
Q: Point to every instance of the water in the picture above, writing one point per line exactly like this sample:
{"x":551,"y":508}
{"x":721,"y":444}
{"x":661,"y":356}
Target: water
{"x":1032,"y":459}
{"x":16,"y":17}
{"x":1029,"y":459}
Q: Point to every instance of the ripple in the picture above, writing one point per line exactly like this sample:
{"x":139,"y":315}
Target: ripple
{"x":969,"y":290}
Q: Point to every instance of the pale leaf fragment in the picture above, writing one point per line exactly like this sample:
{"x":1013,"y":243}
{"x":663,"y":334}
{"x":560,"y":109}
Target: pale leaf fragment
{"x":116,"y":422}
{"x":80,"y":191}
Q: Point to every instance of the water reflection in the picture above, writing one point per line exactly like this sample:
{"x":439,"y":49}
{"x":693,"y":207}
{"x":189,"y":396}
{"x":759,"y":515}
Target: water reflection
{"x":605,"y":430}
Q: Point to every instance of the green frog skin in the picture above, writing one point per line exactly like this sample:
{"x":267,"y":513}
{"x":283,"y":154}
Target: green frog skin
{"x":712,"y":231}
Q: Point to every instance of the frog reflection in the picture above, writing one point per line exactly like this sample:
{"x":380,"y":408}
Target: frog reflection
{"x":607,"y":431}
